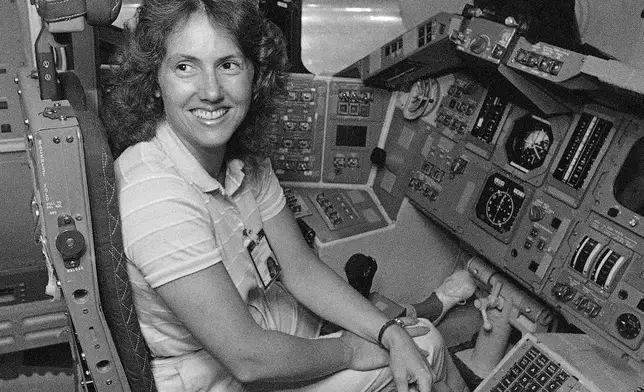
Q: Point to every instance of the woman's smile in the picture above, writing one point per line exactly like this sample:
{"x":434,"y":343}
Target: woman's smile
{"x":208,"y":114}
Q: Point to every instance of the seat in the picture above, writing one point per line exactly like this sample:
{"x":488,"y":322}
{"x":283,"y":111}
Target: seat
{"x":76,"y":206}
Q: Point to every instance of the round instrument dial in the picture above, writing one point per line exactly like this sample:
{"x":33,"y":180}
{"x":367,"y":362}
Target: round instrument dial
{"x":529,"y":143}
{"x":499,"y":208}
{"x":628,"y":326}
{"x":421,"y":99}
{"x":500,"y":203}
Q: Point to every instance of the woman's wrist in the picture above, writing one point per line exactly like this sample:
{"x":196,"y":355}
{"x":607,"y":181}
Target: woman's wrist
{"x":391,"y":333}
{"x":388,"y":324}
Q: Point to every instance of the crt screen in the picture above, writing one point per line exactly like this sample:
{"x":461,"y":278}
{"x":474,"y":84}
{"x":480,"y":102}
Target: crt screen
{"x":351,"y":136}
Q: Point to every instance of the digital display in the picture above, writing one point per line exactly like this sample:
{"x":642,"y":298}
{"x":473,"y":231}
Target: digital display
{"x":351,"y":136}
{"x":629,"y":183}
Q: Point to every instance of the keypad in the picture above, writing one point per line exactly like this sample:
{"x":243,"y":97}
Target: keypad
{"x":534,"y":371}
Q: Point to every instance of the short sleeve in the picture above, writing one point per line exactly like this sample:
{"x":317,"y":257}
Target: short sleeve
{"x":167,"y":230}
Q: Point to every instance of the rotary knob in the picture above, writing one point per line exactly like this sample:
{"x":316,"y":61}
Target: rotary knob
{"x":479,"y":44}
{"x":71,"y":245}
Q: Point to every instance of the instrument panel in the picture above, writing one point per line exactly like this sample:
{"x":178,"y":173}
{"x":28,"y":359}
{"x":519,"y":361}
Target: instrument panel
{"x":552,"y":201}
{"x":553,"y":197}
{"x":546,"y":184}
{"x":324,"y":129}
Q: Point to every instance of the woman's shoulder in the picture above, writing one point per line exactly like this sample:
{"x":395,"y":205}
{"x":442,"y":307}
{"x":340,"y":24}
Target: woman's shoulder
{"x":147,"y":177}
{"x":145,"y":162}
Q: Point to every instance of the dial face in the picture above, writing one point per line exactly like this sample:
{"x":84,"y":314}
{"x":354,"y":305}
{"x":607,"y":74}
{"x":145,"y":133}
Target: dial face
{"x":628,"y":325}
{"x":529,"y":143}
{"x":500,"y":203}
{"x":421,"y":99}
{"x":499,"y":208}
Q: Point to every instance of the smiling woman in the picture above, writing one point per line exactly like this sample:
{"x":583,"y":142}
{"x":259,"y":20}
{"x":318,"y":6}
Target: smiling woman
{"x":227,"y":291}
{"x":135,"y":108}
{"x":205,"y":84}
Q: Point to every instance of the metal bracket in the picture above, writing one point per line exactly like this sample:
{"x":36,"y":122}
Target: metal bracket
{"x":59,"y":111}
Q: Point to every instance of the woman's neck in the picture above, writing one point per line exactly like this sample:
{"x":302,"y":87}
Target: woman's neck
{"x":213,"y":162}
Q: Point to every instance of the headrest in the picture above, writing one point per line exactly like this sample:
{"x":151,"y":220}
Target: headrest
{"x":97,"y":12}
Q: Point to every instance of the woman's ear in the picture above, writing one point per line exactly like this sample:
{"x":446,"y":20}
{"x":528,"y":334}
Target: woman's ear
{"x":157,"y":93}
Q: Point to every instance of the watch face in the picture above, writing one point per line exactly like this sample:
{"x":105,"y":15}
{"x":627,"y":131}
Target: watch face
{"x":529,"y":143}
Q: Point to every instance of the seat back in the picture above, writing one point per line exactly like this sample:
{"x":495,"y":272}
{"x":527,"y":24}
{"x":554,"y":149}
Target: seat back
{"x":110,"y":261}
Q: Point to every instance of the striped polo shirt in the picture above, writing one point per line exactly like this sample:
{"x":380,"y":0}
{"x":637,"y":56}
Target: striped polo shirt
{"x":177,"y":220}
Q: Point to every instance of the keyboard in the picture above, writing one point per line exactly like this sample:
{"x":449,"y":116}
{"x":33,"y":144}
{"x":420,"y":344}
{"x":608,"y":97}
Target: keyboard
{"x":531,"y":366}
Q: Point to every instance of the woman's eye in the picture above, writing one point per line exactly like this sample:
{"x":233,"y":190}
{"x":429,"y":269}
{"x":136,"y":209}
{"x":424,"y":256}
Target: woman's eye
{"x":184,"y":68}
{"x":231,"y":66}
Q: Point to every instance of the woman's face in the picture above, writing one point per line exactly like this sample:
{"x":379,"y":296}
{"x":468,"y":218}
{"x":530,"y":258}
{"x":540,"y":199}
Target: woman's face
{"x":206,"y":84}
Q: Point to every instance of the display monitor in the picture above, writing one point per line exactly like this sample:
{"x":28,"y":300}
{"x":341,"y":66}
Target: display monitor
{"x":351,"y":136}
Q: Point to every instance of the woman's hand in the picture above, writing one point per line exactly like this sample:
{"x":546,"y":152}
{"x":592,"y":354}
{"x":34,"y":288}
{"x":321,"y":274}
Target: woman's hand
{"x":407,"y":362}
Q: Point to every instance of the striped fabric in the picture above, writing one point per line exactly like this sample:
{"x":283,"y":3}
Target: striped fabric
{"x":177,"y":220}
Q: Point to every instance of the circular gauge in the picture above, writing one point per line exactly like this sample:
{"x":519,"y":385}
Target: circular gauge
{"x":628,"y":326}
{"x":421,"y":99}
{"x":529,"y":143}
{"x":500,"y":203}
{"x":499,"y":208}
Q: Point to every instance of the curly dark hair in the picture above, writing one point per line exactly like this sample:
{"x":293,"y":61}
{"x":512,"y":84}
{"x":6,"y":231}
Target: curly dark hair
{"x":131,"y":111}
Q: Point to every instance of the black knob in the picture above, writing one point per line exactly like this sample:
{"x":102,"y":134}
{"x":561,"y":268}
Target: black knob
{"x":378,"y":156}
{"x":307,"y":232}
{"x":360,"y":270}
{"x":71,"y":244}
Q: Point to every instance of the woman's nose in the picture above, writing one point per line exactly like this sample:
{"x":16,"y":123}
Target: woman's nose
{"x":210,"y":89}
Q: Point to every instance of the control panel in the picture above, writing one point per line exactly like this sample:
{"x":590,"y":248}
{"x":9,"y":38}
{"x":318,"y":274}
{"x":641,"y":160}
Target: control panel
{"x":355,"y":119}
{"x":335,"y":213}
{"x":472,"y":113}
{"x":324,"y":129}
{"x":484,"y":39}
{"x":421,"y":51}
{"x":552,"y":200}
{"x":543,"y":200}
{"x":546,"y":61}
{"x":549,"y":194}
{"x":321,"y":139}
{"x":297,"y":129}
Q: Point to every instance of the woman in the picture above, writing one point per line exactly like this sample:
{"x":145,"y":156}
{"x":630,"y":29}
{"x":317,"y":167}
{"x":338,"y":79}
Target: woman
{"x":202,"y":212}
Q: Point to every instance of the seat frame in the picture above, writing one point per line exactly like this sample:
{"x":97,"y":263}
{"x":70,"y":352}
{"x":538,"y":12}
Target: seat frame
{"x":78,"y":218}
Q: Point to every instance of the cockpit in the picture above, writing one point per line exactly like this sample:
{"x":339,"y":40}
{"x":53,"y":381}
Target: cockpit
{"x":414,"y":139}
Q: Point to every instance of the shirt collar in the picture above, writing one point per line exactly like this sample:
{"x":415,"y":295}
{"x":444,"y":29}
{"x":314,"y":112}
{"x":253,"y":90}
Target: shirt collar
{"x":191,"y":169}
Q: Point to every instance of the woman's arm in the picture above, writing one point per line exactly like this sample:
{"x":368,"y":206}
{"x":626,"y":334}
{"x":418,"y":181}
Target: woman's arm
{"x":316,"y":285}
{"x":168,"y":235}
{"x":323,"y":291}
{"x":208,"y":304}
